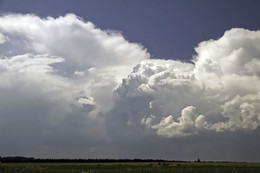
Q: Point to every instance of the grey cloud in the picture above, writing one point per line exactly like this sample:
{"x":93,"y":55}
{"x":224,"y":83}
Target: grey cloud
{"x":44,"y":108}
{"x":3,"y":39}
{"x":67,"y":88}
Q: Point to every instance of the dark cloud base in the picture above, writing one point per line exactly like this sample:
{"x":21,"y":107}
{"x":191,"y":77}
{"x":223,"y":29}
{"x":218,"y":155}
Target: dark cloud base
{"x":71,"y":90}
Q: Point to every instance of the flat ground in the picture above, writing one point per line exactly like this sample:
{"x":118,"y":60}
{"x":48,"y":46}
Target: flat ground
{"x":146,"y":167}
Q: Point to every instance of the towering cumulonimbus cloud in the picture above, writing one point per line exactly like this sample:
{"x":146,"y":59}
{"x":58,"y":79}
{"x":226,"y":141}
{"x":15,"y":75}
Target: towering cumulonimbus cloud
{"x":67,"y":84}
{"x":91,"y":57}
{"x":57,"y":78}
{"x":219,"y":92}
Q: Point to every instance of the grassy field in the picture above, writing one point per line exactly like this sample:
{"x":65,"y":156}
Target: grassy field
{"x":175,"y":167}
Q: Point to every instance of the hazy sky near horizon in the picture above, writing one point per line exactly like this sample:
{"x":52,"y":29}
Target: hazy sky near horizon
{"x":130,"y":79}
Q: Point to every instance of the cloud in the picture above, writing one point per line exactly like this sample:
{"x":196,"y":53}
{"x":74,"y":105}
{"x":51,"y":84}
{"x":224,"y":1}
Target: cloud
{"x":57,"y":78}
{"x":3,"y":39}
{"x":186,"y":125}
{"x":67,"y":87}
{"x":80,"y":43}
{"x":225,"y":67}
{"x":219,"y":92}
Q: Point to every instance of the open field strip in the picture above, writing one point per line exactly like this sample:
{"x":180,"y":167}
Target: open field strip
{"x":133,"y":167}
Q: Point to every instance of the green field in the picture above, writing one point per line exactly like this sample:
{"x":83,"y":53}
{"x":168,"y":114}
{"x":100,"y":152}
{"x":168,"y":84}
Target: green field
{"x":182,"y":167}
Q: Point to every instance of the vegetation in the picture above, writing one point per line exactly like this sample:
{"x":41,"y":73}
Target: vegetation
{"x":131,"y":167}
{"x":19,"y":159}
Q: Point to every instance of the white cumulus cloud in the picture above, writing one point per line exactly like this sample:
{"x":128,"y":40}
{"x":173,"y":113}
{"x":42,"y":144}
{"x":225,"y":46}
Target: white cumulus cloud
{"x":186,"y":125}
{"x":222,"y":86}
{"x":67,"y":84}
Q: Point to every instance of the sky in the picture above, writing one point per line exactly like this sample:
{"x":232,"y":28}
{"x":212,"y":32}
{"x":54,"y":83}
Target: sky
{"x":177,"y":80}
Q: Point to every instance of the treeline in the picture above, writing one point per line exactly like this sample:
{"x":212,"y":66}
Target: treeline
{"x":19,"y":159}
